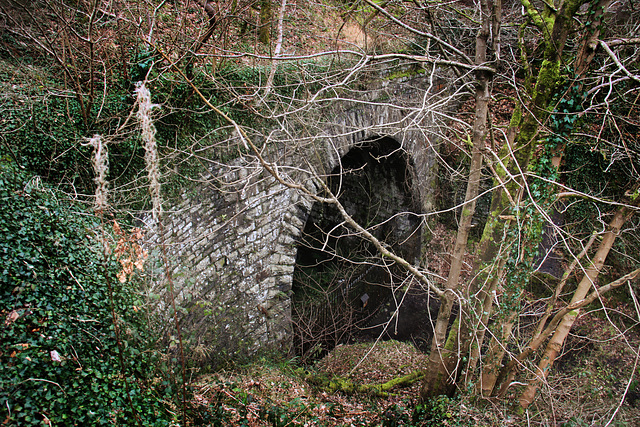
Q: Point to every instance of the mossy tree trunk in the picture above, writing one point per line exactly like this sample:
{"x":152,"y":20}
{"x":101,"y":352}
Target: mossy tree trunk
{"x":530,"y":137}
{"x":496,"y":252}
{"x":264,"y":29}
{"x":523,"y":137}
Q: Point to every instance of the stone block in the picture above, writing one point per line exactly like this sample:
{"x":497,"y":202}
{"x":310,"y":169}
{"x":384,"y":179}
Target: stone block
{"x":282,"y":269}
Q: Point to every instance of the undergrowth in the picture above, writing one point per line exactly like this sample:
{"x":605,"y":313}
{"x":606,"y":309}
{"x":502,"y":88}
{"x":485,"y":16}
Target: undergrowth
{"x":62,"y":361}
{"x":234,"y":402}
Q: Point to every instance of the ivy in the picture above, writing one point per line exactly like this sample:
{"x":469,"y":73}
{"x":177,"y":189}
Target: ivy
{"x":59,"y":361}
{"x":521,"y":260}
{"x":46,"y":133}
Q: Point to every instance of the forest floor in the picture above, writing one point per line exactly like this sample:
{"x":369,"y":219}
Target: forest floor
{"x":592,"y":384}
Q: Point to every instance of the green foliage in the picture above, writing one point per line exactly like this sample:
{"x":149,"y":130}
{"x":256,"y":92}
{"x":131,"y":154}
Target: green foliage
{"x":43,"y":127}
{"x":60,"y":359}
{"x":45,"y":134}
{"x":396,"y":415}
{"x":575,"y":422}
{"x":142,"y":64}
{"x":281,"y":416}
{"x":439,"y":411}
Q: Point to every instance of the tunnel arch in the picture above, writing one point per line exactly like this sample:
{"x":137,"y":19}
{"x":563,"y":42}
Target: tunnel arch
{"x":340,"y":282}
{"x":236,"y":234}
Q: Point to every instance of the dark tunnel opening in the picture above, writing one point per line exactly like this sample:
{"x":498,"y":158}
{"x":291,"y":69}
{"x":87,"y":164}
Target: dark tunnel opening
{"x":342,"y":287}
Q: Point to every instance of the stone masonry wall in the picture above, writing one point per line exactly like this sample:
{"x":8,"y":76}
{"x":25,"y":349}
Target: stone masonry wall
{"x":233,"y":252}
{"x":232,"y":239}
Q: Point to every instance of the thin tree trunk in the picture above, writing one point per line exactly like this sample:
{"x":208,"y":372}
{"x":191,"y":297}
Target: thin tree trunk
{"x":476,"y":330}
{"x":495,"y":354}
{"x":212,"y":13}
{"x":468,"y":209}
{"x":588,"y":281}
{"x":276,"y":53}
{"x":437,"y":371}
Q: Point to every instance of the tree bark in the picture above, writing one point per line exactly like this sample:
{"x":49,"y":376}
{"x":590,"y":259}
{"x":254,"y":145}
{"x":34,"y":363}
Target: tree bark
{"x":276,"y":53}
{"x":588,"y":281}
{"x":264,"y":29}
{"x":212,"y":13}
{"x":495,"y":354}
{"x":437,"y":369}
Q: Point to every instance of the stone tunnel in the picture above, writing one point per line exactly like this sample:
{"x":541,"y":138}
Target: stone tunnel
{"x":251,"y":258}
{"x":340,"y":282}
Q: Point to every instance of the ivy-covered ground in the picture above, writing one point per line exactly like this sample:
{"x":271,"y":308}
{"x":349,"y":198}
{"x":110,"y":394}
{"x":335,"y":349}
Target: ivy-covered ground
{"x":75,"y":349}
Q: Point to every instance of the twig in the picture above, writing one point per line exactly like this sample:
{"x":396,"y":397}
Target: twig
{"x":626,"y":390}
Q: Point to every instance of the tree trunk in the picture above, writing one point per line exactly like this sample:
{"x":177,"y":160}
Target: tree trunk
{"x":555,"y":25}
{"x":276,"y":53}
{"x":213,"y":15}
{"x":496,"y":351}
{"x":264,"y":29}
{"x":438,"y":370}
{"x":468,"y":208}
{"x":439,"y":378}
{"x":588,"y":280}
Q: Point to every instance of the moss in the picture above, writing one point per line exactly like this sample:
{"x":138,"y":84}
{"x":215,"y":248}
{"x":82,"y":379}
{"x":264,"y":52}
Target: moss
{"x":341,"y":384}
{"x":412,"y":72}
{"x":546,"y":83}
{"x":492,"y":226}
{"x":487,"y":233}
{"x":529,"y":136}
{"x":345,"y":385}
{"x":549,"y":22}
{"x":452,"y":339}
{"x":527,"y":140}
{"x":539,"y":21}
{"x":516,"y":116}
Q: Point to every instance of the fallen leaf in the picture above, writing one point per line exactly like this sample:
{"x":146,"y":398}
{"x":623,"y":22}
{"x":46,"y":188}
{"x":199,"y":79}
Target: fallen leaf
{"x":12,"y":317}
